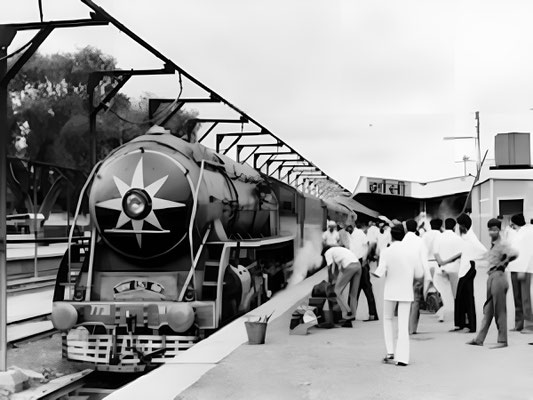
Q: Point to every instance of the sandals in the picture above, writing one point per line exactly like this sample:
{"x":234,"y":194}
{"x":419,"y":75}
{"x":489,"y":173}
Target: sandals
{"x":389,"y":358}
{"x":349,"y":317}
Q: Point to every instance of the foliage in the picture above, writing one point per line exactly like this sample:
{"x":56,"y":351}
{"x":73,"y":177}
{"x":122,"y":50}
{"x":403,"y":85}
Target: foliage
{"x":49,"y":96}
{"x":49,"y":107}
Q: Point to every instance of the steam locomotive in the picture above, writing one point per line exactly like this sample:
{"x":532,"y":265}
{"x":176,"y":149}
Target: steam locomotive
{"x":183,"y":241}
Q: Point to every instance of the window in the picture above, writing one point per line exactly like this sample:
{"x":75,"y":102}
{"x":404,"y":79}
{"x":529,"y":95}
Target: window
{"x":511,"y":207}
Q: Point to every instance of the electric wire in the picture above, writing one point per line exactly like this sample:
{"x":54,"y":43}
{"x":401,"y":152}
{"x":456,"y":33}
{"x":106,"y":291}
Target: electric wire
{"x":77,"y":212}
{"x":158,"y":116}
{"x":19,"y":50}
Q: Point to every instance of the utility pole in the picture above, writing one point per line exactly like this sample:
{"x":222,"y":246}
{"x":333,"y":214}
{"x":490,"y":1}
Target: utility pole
{"x":6,"y":37}
{"x":464,"y":160}
{"x":478,"y":144}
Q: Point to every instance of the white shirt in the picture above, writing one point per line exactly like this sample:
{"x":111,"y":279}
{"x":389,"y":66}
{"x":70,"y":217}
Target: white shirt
{"x":359,"y":243}
{"x":449,"y":244}
{"x":341,"y":257}
{"x":472,"y":250}
{"x":396,"y":264}
{"x":509,"y":234}
{"x":372,"y":234}
{"x":345,"y":239}
{"x":417,"y":252}
{"x":522,"y":241}
{"x":384,"y":239}
{"x":431,"y":239}
{"x":331,"y":238}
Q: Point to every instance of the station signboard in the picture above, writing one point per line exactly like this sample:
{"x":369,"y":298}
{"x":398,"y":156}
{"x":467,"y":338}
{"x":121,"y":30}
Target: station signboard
{"x":386,"y":186}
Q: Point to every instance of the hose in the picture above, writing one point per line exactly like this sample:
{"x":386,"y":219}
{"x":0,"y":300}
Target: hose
{"x":194,"y":208}
{"x":77,"y":212}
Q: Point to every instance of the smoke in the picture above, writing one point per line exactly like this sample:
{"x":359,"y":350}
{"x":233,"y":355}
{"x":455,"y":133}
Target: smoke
{"x":307,"y":258}
{"x":445,"y":209}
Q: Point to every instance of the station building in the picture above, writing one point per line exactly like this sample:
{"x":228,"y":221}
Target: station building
{"x":403,"y":199}
{"x":504,"y":188}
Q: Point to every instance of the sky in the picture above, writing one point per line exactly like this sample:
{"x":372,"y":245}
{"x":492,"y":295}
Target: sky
{"x":361,"y":88}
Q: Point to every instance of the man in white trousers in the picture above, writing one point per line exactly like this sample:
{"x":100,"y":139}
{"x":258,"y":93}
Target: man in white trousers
{"x":400,"y":267}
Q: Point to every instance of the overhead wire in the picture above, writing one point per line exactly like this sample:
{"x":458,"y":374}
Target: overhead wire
{"x":160,"y":115}
{"x":19,"y":50}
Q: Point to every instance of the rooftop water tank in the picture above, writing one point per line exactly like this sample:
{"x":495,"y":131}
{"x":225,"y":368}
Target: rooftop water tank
{"x":512,"y":149}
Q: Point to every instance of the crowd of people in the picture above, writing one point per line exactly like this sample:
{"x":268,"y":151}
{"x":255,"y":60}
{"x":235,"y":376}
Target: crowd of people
{"x":445,"y":260}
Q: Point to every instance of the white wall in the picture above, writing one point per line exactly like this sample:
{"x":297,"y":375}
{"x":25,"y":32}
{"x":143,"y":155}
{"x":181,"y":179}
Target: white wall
{"x":486,"y":197}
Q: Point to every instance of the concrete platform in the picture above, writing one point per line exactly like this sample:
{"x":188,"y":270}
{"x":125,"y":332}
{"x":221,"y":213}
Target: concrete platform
{"x":21,"y":260}
{"x":29,"y":304}
{"x":24,"y":330}
{"x":28,"y":251}
{"x":343,"y":363}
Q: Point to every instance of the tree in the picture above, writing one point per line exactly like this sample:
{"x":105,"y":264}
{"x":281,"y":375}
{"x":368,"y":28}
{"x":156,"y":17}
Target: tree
{"x":48,"y":91}
{"x":48,"y":106}
{"x":50,"y":95}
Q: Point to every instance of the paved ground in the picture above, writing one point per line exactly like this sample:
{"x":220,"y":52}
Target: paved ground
{"x":41,"y":355}
{"x":346,"y":363}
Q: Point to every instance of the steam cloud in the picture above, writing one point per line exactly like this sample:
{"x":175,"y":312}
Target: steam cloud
{"x":307,"y":258}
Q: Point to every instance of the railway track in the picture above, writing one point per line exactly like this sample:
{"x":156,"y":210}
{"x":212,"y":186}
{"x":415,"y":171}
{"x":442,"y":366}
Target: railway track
{"x":86,"y":384}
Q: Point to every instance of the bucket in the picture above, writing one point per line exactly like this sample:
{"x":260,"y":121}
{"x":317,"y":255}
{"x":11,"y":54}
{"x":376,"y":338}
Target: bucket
{"x":256,"y":332}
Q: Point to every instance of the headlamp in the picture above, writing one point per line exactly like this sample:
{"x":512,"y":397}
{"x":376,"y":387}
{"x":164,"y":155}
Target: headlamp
{"x":136,"y":204}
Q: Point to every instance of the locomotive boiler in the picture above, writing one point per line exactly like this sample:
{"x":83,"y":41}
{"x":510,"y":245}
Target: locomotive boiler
{"x":183,"y":241}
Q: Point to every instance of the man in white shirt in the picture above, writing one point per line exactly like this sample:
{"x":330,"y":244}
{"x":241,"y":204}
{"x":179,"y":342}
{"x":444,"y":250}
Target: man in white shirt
{"x":522,"y":241}
{"x":446,"y":276}
{"x":344,"y":264}
{"x":400,"y":266}
{"x":384,"y":238}
{"x":360,"y":247}
{"x":416,"y":248}
{"x":430,"y":239}
{"x":345,"y":236}
{"x":472,"y":251}
{"x":331,"y":236}
{"x":372,"y":233}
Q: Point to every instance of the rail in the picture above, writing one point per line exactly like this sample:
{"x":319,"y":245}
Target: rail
{"x":31,"y":328}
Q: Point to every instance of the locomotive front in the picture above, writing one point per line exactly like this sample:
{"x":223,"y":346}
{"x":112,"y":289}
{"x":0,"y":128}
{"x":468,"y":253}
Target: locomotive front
{"x":138,"y":296}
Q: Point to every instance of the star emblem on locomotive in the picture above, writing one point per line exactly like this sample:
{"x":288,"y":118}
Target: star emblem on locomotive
{"x":137,"y":203}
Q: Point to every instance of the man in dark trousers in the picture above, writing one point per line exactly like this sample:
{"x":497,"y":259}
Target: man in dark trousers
{"x":361,"y":248}
{"x":522,"y":241}
{"x":472,"y":250}
{"x":495,"y":307}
